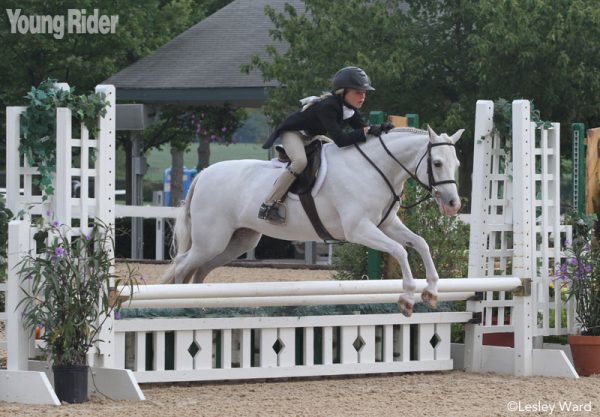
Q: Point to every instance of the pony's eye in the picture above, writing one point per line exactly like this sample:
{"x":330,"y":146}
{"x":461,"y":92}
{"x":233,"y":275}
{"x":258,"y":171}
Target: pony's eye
{"x":437,"y":164}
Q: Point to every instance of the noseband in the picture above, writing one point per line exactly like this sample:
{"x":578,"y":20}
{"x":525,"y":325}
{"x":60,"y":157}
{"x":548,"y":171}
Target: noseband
{"x":430,"y":179}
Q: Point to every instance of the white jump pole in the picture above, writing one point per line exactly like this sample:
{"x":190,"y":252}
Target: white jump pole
{"x":282,"y":301}
{"x":312,"y":288}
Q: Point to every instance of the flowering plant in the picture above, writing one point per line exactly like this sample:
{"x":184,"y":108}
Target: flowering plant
{"x":67,"y":289}
{"x":580,"y":273}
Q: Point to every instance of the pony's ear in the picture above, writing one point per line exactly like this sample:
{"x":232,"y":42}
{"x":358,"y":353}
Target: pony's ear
{"x":432,"y":134}
{"x":455,"y":137}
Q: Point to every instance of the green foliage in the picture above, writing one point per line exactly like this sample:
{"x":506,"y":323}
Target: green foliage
{"x":580,"y":273}
{"x":38,"y":126}
{"x":503,"y":121}
{"x":350,"y":262}
{"x":5,"y":216}
{"x":447,"y":237}
{"x":88,"y":60}
{"x":67,"y":290}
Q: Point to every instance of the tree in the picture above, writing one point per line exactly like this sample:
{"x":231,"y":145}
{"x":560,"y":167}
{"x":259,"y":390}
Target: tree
{"x":181,"y":125}
{"x":438,"y":57}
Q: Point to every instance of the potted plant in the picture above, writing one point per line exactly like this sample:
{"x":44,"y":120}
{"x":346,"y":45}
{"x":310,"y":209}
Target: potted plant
{"x":68,"y":297}
{"x":580,"y":273}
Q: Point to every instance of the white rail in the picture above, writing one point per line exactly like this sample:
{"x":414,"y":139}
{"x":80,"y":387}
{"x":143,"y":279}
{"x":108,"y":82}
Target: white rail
{"x":299,"y":300}
{"x":312,"y":288}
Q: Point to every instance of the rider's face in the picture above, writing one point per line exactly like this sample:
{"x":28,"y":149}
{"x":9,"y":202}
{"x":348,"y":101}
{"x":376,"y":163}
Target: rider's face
{"x":355,"y":98}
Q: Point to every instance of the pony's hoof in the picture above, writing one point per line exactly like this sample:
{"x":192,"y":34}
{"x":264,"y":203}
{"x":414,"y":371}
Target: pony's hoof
{"x":405,"y":307}
{"x":429,"y":299}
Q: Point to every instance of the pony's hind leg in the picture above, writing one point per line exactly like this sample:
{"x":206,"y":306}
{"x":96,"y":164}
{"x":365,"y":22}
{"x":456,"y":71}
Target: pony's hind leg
{"x":241,"y":242}
{"x":400,"y":233}
{"x":204,"y":248}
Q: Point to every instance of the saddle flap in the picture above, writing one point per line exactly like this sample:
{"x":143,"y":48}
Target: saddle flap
{"x":307,"y":178}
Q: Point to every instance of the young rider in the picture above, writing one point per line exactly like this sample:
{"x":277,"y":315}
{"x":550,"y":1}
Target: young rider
{"x":325,"y":115}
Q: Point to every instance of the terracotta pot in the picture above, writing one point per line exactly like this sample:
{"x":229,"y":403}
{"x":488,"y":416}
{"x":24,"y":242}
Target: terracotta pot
{"x":586,"y":354}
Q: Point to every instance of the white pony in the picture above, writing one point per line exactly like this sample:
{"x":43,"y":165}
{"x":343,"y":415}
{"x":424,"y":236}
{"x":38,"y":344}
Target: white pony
{"x":357,"y":202}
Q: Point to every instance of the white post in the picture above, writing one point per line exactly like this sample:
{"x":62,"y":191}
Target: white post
{"x":62,"y":180}
{"x":105,"y":163}
{"x":484,"y":124}
{"x":523,"y":232}
{"x":13,"y":125}
{"x":104,"y":194}
{"x":18,"y":340}
{"x":159,"y":248}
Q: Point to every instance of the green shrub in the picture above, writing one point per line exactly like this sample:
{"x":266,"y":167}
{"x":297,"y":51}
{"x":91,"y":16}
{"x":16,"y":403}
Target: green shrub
{"x":350,"y":261}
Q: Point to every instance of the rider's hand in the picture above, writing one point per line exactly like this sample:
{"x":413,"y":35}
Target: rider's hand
{"x":386,"y":127}
{"x":374,"y":130}
{"x":377,"y":130}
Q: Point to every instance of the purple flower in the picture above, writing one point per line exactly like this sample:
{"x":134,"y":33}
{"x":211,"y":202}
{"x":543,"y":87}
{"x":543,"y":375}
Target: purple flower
{"x":223,"y":129}
{"x":49,"y":213}
{"x":88,"y":236}
{"x":59,"y":251}
{"x":117,"y":315}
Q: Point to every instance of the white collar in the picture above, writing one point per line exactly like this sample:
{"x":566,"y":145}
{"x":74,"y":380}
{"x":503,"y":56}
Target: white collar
{"x":348,"y":113}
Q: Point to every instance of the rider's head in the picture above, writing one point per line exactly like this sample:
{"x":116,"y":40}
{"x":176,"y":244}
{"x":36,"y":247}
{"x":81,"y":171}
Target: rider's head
{"x":352,"y":83}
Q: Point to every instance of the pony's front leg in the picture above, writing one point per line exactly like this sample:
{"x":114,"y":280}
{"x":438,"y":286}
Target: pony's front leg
{"x":367,"y":234}
{"x":395,"y":229}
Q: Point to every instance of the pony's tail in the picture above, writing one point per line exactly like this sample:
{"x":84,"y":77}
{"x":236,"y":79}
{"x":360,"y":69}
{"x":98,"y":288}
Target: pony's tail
{"x":182,"y":237}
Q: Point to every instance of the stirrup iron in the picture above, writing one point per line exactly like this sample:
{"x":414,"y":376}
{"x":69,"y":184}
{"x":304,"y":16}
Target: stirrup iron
{"x":271,"y":213}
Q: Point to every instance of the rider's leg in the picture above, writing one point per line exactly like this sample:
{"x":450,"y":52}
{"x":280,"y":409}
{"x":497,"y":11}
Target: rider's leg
{"x":293,"y":144}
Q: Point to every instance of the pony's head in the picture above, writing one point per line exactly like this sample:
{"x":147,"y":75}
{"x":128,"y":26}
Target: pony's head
{"x":442,"y":165}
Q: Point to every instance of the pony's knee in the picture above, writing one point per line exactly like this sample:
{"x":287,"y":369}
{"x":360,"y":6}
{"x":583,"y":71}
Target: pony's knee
{"x":418,"y":243}
{"x":400,"y":254}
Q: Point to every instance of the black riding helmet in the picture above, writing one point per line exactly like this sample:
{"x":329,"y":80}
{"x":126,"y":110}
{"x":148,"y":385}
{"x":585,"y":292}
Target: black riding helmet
{"x":352,"y":77}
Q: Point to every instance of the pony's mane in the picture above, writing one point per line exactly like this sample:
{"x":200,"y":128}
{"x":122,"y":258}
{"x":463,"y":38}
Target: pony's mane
{"x":408,"y":130}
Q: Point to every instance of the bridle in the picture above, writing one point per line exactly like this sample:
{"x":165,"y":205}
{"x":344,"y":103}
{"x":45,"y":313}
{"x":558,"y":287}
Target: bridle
{"x":432,"y":183}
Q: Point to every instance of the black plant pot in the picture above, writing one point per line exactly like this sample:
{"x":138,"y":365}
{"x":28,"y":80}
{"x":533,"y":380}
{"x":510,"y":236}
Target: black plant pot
{"x":71,"y":383}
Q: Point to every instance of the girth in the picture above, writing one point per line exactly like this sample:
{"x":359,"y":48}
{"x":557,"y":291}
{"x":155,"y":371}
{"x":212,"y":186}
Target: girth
{"x":304,"y":184}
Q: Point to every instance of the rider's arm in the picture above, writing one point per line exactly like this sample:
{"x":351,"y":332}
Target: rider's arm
{"x":329,"y":118}
{"x":357,"y":122}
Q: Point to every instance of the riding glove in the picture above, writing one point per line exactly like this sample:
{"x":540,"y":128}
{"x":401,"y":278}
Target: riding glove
{"x":377,"y":130}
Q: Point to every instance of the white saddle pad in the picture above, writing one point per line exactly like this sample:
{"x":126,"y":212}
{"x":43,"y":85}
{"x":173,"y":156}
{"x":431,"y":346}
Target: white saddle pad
{"x":320,"y":175}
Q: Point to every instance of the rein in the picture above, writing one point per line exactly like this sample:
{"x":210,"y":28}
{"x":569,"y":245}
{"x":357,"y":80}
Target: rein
{"x":429,"y":187}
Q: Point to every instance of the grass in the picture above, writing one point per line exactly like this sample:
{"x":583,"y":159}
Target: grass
{"x":158,"y":161}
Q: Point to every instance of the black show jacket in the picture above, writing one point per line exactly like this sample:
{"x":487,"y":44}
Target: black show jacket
{"x":323,"y":118}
